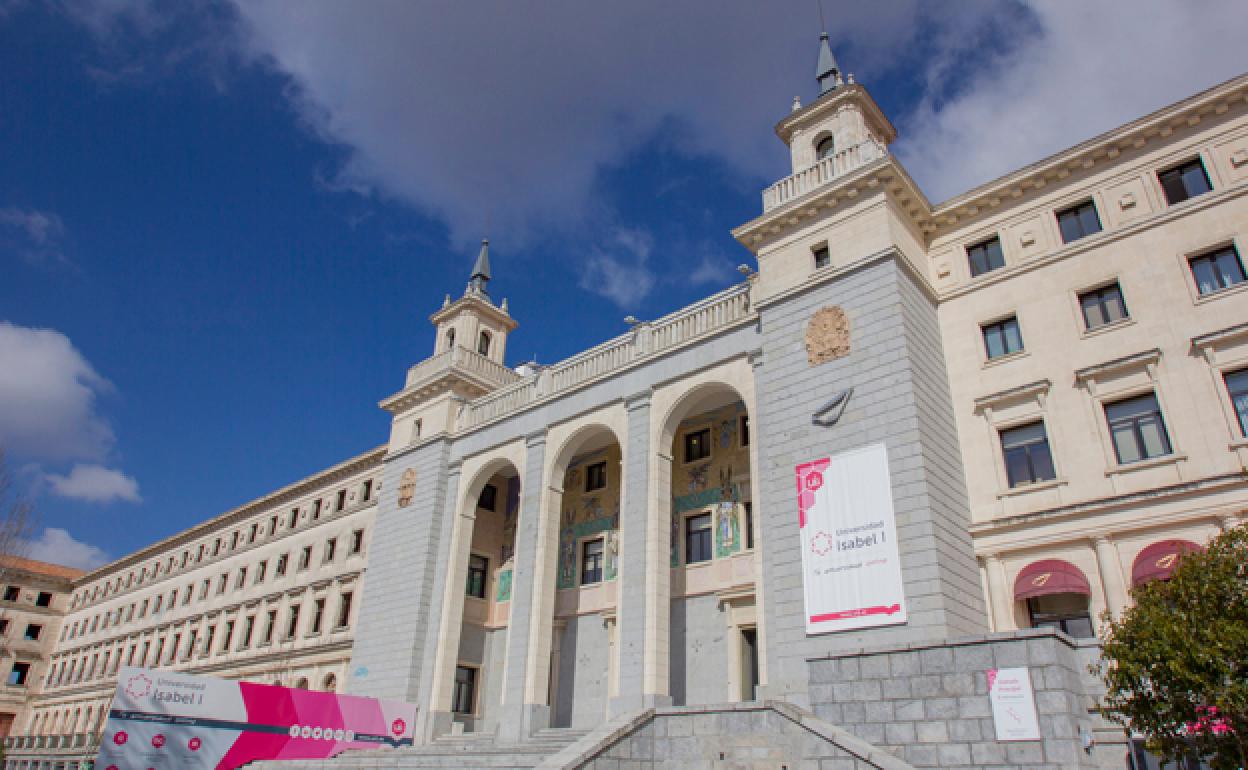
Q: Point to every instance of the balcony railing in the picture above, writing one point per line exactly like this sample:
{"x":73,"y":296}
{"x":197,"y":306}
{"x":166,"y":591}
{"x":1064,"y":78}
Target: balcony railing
{"x":464,"y":360}
{"x":713,"y":314}
{"x":823,"y":172}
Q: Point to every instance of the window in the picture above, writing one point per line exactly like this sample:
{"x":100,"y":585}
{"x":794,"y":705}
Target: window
{"x":341,"y":502}
{"x":222,"y":582}
{"x":19,"y":674}
{"x":260,"y":569}
{"x":331,"y":545}
{"x":595,"y":476}
{"x":155,"y":609}
{"x":317,"y":505}
{"x":305,"y":557}
{"x":344,"y":610}
{"x":749,"y":526}
{"x":450,"y":338}
{"x":293,"y":624}
{"x":255,"y":530}
{"x":464,"y":693}
{"x":1066,"y":612}
{"x":4,"y":626}
{"x":272,"y":526}
{"x":591,"y":561}
{"x":143,"y":607}
{"x":318,"y":614}
{"x":822,"y":257}
{"x":234,"y":541}
{"x":367,"y":493}
{"x":357,"y":541}
{"x":483,"y":344}
{"x":745,"y":430}
{"x":478,"y":568}
{"x":1102,"y":306}
{"x":1137,"y":428}
{"x":203,"y":592}
{"x":191,"y":640}
{"x":986,"y":256}
{"x":698,"y":538}
{"x":1027,"y":456}
{"x":1078,"y":221}
{"x":1002,"y":338}
{"x":216,"y":549}
{"x":1184,"y":181}
{"x":228,"y":636}
{"x":33,"y":632}
{"x":1217,"y":270}
{"x":826,"y":148}
{"x":186,"y":599}
{"x":212,"y":631}
{"x":269,"y":623}
{"x":279,"y":569}
{"x":44,"y":599}
{"x":242,"y":578}
{"x":489,"y":493}
{"x":249,"y":625}
{"x":294,"y":518}
{"x":1237,"y":387}
{"x":11,"y":593}
{"x":698,"y":445}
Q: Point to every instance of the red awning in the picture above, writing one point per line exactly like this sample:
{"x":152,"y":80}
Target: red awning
{"x":1158,"y":561}
{"x":1051,"y":576}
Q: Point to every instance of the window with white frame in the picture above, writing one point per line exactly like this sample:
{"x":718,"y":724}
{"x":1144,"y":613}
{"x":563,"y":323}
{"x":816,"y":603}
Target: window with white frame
{"x":591,"y":561}
{"x":698,"y":538}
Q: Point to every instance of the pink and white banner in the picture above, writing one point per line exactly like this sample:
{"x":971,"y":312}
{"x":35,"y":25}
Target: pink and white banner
{"x":162,"y":720}
{"x":851,"y":570}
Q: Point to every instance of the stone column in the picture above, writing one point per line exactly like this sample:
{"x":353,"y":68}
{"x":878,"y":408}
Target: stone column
{"x":635,"y":613}
{"x":1112,"y":583}
{"x":451,"y":621}
{"x":656,"y":688}
{"x":1000,"y":598}
{"x":520,"y":716}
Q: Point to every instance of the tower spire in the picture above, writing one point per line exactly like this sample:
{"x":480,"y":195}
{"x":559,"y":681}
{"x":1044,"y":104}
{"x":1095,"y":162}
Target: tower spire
{"x":827,"y":72}
{"x":481,"y":270}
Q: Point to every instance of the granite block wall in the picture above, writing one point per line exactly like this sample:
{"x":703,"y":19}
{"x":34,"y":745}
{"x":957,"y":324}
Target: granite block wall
{"x":700,"y":655}
{"x":581,"y":700}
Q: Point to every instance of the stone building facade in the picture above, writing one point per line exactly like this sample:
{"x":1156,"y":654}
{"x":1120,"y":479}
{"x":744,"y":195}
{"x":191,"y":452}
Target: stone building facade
{"x":1054,"y":362}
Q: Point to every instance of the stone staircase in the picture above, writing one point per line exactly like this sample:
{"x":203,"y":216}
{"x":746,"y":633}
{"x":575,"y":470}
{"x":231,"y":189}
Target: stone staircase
{"x":470,"y":750}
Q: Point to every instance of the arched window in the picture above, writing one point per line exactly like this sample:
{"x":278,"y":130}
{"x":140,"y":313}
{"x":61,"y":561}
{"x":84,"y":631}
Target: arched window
{"x":450,"y":339}
{"x":330,"y":684}
{"x":825,"y":149}
{"x":483,"y":344}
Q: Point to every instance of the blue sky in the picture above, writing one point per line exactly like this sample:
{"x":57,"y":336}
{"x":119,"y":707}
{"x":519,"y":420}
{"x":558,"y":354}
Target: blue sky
{"x":223,"y":227}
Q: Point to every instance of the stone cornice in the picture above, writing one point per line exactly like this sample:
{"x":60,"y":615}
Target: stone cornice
{"x":469,"y":302}
{"x":831,"y":102}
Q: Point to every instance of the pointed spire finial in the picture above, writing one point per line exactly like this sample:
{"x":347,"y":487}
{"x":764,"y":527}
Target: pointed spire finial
{"x":826,"y":70}
{"x":481,"y":269}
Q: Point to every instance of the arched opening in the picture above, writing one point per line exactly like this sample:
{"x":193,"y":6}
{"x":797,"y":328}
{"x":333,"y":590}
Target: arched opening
{"x":330,"y":684}
{"x":1056,"y":595}
{"x":485,"y":579}
{"x":483,"y":344}
{"x":582,"y":658}
{"x":450,"y":339}
{"x":825,"y":148}
{"x":713,"y":622}
{"x":1159,"y":560}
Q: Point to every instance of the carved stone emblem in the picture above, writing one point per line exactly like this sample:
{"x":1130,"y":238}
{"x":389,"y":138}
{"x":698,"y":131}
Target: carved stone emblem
{"x":407,"y":487}
{"x":827,"y":336}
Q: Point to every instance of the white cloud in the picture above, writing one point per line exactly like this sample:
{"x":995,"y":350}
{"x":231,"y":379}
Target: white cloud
{"x":712,"y":269}
{"x":57,"y":546}
{"x":618,"y":270}
{"x":95,"y":484}
{"x":1070,"y":71}
{"x":48,"y":394}
{"x":35,"y":236}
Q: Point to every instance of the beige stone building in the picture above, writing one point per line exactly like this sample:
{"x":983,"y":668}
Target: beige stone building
{"x":1055,"y":365}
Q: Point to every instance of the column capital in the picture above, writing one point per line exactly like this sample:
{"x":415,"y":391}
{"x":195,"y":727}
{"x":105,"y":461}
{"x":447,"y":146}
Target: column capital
{"x":638,"y":400}
{"x":1100,"y":541}
{"x":990,"y":558}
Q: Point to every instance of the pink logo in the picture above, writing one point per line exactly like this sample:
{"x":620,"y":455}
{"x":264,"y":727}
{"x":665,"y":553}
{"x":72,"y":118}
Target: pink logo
{"x":158,"y":740}
{"x":120,"y":738}
{"x":398,"y":727}
{"x":821,"y":543}
{"x":814,"y":480}
{"x":138,"y":686}
{"x":193,"y":744}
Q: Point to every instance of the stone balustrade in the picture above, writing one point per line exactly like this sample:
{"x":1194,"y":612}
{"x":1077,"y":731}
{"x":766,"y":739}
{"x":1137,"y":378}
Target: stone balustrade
{"x":827,"y":169}
{"x":720,"y":311}
{"x":465,"y":360}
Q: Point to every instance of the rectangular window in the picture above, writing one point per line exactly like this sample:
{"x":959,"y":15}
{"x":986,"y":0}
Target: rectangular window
{"x":260,"y":569}
{"x":305,"y":557}
{"x":1027,"y":456}
{"x":465,"y":690}
{"x":186,"y":599}
{"x":318,"y":614}
{"x":478,"y":568}
{"x":228,"y":637}
{"x":294,"y":518}
{"x":1138,"y":430}
{"x":249,"y":625}
{"x":292,"y":626}
{"x":44,"y":599}
{"x":317,"y":505}
{"x":745,"y":430}
{"x":269,"y":622}
{"x":4,"y":626}
{"x":1002,"y":338}
{"x":698,"y":445}
{"x":357,"y":541}
{"x":255,"y":531}
{"x":331,"y":545}
{"x":489,"y":495}
{"x":11,"y":593}
{"x":1102,"y":306}
{"x":367,"y":493}
{"x":986,"y":256}
{"x":222,"y":582}
{"x":33,"y":632}
{"x":242,"y":578}
{"x":344,"y":610}
{"x":822,"y":257}
{"x":191,"y":641}
{"x":1078,"y":221}
{"x":1217,"y":270}
{"x":1065,"y":612}
{"x":595,"y":476}
{"x":698,"y":538}
{"x":272,"y":526}
{"x":280,"y":568}
{"x":342,"y":500}
{"x":234,"y":541}
{"x":203,"y":591}
{"x":19,"y":674}
{"x":591,"y":561}
{"x":749,"y":526}
{"x":1187,"y":180}
{"x":1237,"y":387}
{"x":212,"y":632}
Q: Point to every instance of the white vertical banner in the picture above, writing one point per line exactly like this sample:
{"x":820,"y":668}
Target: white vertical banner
{"x":851,"y":570}
{"x":1013,"y":704}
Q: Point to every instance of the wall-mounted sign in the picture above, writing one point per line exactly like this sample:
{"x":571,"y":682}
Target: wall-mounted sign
{"x":1013,"y":704}
{"x":162,"y":720}
{"x":851,"y":570}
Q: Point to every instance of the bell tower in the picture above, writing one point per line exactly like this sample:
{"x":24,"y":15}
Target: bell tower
{"x":473,"y":321}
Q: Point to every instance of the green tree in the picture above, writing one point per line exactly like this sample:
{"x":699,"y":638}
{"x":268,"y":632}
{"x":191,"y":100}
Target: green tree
{"x":1176,"y":664}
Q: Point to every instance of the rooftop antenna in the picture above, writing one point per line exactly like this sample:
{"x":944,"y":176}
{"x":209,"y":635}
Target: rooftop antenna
{"x":823,"y":25}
